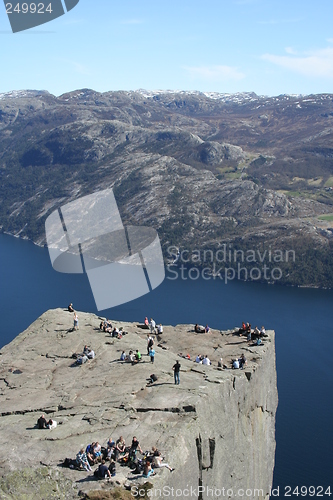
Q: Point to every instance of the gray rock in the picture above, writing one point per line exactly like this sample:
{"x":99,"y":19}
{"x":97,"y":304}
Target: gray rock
{"x":216,"y":428}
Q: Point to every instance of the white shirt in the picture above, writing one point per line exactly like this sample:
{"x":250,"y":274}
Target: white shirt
{"x":206,"y":361}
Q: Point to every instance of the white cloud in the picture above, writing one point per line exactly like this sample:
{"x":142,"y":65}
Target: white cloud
{"x":214,"y":73}
{"x":290,"y":50}
{"x":316,"y":63}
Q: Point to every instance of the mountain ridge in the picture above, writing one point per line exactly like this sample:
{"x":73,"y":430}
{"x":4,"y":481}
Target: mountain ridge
{"x":202,"y":171}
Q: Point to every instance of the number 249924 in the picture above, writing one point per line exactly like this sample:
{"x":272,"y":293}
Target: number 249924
{"x":28,"y":8}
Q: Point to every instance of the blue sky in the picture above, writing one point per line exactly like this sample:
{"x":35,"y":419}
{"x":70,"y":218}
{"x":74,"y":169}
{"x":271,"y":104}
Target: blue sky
{"x":266,"y":46}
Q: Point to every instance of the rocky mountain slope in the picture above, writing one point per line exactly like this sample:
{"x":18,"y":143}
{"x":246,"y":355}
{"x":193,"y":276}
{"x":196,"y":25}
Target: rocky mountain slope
{"x":217,"y":428}
{"x":205,"y":170}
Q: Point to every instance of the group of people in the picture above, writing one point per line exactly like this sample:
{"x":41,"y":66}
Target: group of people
{"x":106,"y":326}
{"x":84,"y":356}
{"x":255,"y":334}
{"x":201,"y":329}
{"x":239,"y":363}
{"x":154,"y":328}
{"x":117,"y":451}
{"x":131,"y":357}
{"x":204,"y":360}
{"x":46,"y":424}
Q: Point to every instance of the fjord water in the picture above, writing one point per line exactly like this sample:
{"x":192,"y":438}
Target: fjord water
{"x":301,"y":318}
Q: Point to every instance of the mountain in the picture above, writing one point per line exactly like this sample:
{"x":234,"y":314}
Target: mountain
{"x":209,"y":171}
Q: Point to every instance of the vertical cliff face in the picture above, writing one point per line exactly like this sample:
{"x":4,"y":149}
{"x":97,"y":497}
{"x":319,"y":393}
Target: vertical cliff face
{"x":217,"y":428}
{"x":229,"y":448}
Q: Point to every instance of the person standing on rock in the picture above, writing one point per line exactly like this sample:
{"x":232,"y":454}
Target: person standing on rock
{"x":176,"y":369}
{"x":152,"y":326}
{"x":152,"y":354}
{"x":150,"y":343}
{"x":76,"y":322}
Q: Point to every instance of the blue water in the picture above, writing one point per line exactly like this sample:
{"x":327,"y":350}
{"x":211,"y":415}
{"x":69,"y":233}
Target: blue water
{"x":302,"y":319}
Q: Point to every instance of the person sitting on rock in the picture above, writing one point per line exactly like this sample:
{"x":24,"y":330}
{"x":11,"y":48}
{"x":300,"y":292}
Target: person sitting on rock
{"x":42,"y":422}
{"x":158,"y":462}
{"x":115,"y":332}
{"x":137,"y":356}
{"x":120,"y":447}
{"x":123,"y":356}
{"x":159,"y":329}
{"x":112,"y":468}
{"x":81,"y":360}
{"x":242,"y":329}
{"x":82,"y":460}
{"x":102,"y":472}
{"x":235,"y":364}
{"x":71,"y":308}
{"x":263,"y":332}
{"x":110,"y":447}
{"x":248,"y":332}
{"x":91,"y":354}
{"x":207,"y":329}
{"x":130,"y":357}
{"x":148,"y":470}
{"x":206,"y":361}
{"x":134,"y":448}
{"x":198,"y":359}
{"x":199,"y":328}
{"x":97,"y":452}
{"x":107,"y":326}
{"x":90,"y":453}
{"x":220,"y":363}
{"x":146,"y":322}
{"x":86,"y":350}
{"x":256,"y":333}
{"x":52,"y":424}
{"x":154,"y":451}
{"x":242,"y":361}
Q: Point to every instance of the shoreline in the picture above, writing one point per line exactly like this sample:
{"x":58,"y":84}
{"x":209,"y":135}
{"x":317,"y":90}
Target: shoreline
{"x":263,"y":282}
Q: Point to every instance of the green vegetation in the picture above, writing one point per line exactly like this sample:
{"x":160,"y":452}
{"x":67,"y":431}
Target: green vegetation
{"x":36,"y":484}
{"x":326,"y":217}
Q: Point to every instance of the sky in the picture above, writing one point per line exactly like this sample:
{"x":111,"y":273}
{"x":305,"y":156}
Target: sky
{"x":269,"y":47}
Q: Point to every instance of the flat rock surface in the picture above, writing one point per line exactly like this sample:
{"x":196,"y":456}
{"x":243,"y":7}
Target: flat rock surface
{"x":106,"y":397}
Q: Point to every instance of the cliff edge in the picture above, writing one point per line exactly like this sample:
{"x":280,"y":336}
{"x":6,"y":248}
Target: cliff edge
{"x":216,"y":428}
